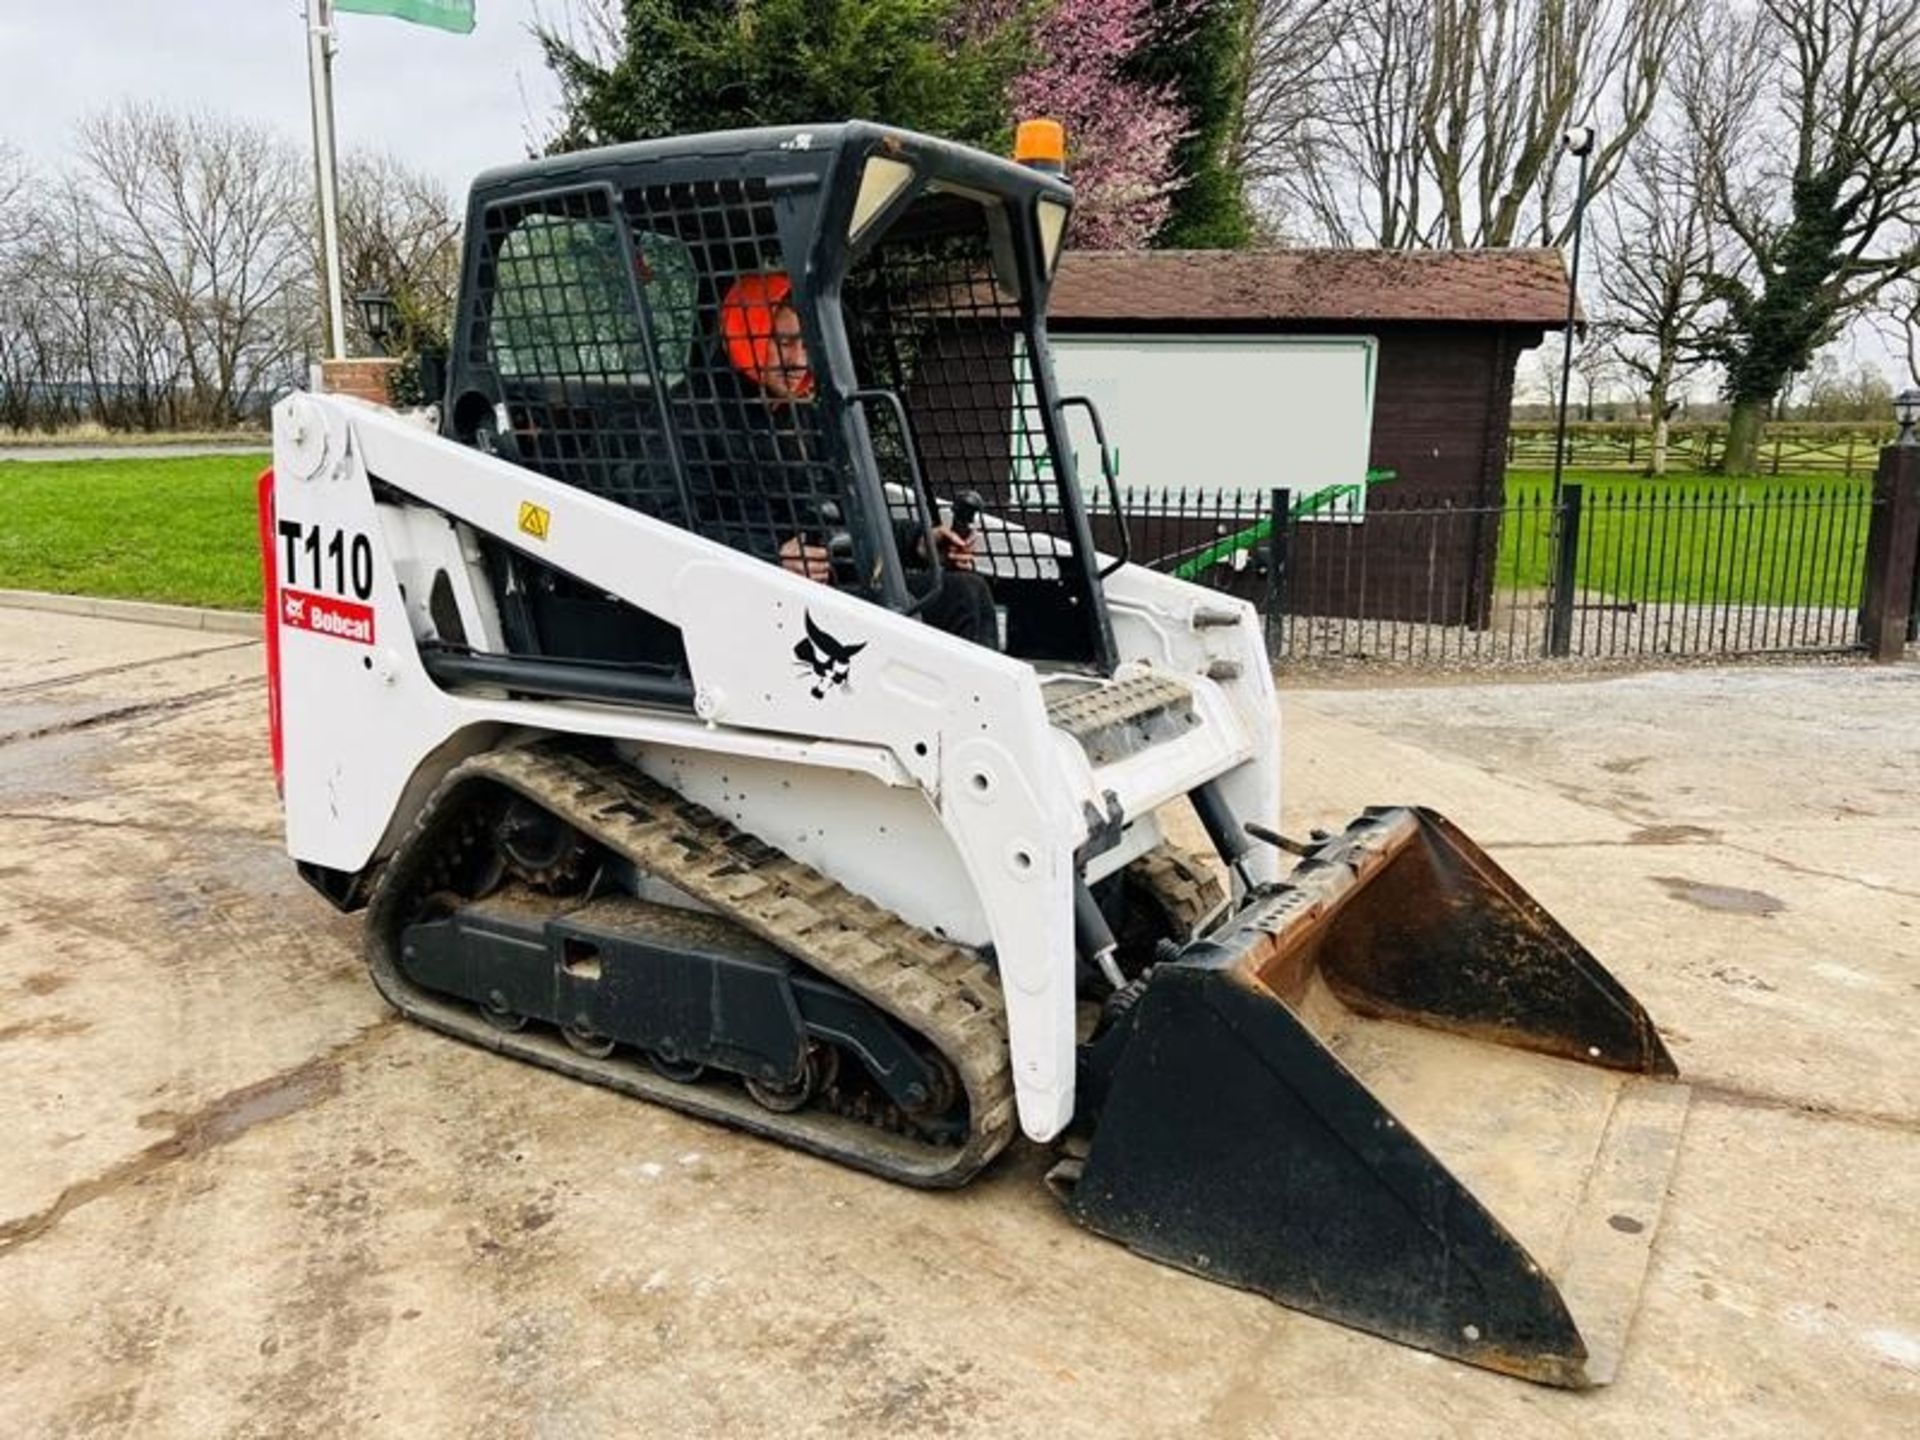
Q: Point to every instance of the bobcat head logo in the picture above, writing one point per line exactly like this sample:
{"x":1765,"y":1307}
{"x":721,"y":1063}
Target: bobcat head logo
{"x":828,"y":660}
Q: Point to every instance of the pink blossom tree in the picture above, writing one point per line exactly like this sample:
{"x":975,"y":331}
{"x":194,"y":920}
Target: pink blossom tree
{"x":1121,"y":132}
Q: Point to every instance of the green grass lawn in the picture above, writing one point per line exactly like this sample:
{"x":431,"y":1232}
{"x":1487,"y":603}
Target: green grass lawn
{"x":182,"y":531}
{"x":1774,"y":540}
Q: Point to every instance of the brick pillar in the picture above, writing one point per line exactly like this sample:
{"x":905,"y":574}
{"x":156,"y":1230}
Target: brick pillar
{"x":366,"y":379}
{"x":1893,"y":552}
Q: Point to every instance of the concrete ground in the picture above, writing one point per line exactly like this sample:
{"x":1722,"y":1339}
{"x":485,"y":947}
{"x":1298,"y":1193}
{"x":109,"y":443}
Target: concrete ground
{"x":243,"y":1200}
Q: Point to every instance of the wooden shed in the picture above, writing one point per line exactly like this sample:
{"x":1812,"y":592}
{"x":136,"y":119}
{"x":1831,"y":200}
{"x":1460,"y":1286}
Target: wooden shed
{"x":1449,"y":328}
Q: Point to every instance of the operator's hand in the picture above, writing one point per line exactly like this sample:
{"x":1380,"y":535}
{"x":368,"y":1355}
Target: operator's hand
{"x":812,"y":561}
{"x":956,"y":551}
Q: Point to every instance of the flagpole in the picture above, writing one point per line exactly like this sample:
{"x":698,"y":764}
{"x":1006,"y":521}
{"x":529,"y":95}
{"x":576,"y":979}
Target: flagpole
{"x":320,"y":84}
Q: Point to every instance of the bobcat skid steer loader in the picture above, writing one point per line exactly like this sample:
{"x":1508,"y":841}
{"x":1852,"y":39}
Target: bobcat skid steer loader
{"x":652,"y":713}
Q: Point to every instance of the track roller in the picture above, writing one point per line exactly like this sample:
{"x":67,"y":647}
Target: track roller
{"x":816,"y":1076}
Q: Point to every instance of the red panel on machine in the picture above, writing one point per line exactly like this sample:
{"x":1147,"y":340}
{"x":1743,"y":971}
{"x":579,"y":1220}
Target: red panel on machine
{"x":269,"y":573}
{"x":327,"y":615}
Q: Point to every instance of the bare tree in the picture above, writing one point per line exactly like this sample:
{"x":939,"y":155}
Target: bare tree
{"x":21,"y":314}
{"x":1546,"y":358}
{"x":1658,"y":240}
{"x":205,"y":219}
{"x":1355,"y":166}
{"x":399,"y":233}
{"x":1596,"y":362}
{"x":1899,"y":326}
{"x":78,"y":280}
{"x":1286,"y":45}
{"x":16,"y":180}
{"x":39,"y":358}
{"x":1835,"y":392}
{"x":119,"y":342}
{"x":30,"y":356}
{"x":1817,"y":188}
{"x":1439,"y":123}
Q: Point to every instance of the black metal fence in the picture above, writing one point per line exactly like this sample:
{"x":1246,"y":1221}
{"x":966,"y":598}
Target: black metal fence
{"x":1653,"y":570}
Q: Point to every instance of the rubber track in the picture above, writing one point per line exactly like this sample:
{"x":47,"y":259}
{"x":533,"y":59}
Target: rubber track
{"x":945,"y":993}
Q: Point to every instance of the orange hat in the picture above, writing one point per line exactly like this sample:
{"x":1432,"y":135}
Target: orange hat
{"x":746,"y":323}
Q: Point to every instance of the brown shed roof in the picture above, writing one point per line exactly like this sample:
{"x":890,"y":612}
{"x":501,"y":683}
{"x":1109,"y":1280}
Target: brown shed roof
{"x":1499,"y":287}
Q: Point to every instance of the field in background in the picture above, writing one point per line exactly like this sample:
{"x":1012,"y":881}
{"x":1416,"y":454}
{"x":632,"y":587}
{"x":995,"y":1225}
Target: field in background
{"x":1786,"y":539}
{"x":91,"y":434}
{"x":181,"y":531}
{"x":1841,"y":447}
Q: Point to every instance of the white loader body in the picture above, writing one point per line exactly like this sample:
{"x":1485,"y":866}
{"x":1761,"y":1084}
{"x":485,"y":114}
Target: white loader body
{"x":923,"y":772}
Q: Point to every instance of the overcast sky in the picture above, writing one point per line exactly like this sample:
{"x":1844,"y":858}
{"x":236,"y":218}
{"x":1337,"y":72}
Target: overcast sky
{"x":449,"y":104}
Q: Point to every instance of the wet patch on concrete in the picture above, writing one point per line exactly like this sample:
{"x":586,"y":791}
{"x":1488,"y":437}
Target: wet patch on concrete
{"x":46,"y":1027}
{"x":1706,"y":1091}
{"x":111,"y":1413}
{"x":1671,"y":835}
{"x":1729,"y":899}
{"x":219,"y":1123}
{"x":310,"y":1337}
{"x":535,"y":1217}
{"x":100,"y":672}
{"x":57,"y":768}
{"x":42,"y":722}
{"x":1625,"y":766}
{"x":890,"y":1390}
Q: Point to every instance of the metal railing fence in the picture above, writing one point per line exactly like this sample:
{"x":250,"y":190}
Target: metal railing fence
{"x":1621,"y":571}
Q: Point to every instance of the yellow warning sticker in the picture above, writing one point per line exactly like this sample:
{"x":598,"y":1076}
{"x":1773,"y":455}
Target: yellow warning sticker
{"x":534,"y":519}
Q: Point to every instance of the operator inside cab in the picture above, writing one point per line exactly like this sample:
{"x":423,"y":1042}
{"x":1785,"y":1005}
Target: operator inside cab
{"x":766,"y":347}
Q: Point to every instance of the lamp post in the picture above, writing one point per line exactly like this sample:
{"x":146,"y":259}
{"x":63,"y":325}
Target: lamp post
{"x":377,"y":311}
{"x":1578,"y":142}
{"x":1564,"y":519}
{"x":1906,"y":409}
